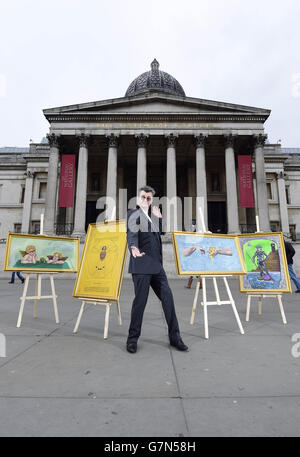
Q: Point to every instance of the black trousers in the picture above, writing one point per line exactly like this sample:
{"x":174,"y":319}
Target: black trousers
{"x":160,"y":286}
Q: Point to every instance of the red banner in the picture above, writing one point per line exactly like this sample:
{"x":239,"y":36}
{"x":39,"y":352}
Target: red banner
{"x":246,"y":181}
{"x":67,"y":178}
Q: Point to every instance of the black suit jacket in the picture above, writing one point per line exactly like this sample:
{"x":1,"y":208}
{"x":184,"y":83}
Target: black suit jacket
{"x":146,"y":237}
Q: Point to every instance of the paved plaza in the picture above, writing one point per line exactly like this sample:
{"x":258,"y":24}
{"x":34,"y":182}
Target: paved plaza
{"x":56,"y":383}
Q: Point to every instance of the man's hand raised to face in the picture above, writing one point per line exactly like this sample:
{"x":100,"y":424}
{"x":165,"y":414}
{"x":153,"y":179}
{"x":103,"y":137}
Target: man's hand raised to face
{"x":136,"y":252}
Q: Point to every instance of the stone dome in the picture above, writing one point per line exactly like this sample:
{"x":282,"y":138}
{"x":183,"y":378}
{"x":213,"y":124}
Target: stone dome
{"x":155,"y":79}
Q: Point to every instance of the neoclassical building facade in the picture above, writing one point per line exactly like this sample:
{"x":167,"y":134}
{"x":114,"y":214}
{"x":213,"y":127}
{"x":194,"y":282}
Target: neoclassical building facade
{"x":156,"y":135}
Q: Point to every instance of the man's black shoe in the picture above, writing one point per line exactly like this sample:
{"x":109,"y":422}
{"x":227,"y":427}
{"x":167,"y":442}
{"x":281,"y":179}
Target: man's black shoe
{"x":11,"y":282}
{"x":179,"y":345}
{"x":131,"y":347}
{"x":22,"y":281}
{"x":297,"y":291}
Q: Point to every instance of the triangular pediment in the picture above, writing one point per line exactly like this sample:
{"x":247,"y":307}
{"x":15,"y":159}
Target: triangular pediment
{"x":152,"y":102}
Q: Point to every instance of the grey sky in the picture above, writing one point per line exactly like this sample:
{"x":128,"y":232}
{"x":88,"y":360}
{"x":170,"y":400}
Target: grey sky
{"x":61,"y":52}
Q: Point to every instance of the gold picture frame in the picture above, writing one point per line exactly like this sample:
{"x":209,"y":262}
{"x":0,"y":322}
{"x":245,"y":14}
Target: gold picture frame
{"x":272,"y":275}
{"x":217,"y":255}
{"x":41,"y":253}
{"x":102,"y":262}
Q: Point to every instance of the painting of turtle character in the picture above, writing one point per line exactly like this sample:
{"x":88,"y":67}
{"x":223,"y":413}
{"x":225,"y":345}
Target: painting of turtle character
{"x":41,"y":253}
{"x":265,"y":261}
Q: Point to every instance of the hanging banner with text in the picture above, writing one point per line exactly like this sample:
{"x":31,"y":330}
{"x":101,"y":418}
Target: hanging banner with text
{"x":67,"y":179}
{"x":246,"y":181}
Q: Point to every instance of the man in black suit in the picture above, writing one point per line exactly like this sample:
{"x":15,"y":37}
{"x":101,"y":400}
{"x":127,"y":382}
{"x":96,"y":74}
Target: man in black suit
{"x":144,"y":243}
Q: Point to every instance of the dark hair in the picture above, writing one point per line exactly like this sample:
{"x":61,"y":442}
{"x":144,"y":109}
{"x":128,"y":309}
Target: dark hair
{"x":147,"y":189}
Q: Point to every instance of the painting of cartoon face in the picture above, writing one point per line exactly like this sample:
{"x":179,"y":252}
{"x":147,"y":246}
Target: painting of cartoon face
{"x":101,"y":258}
{"x":103,"y":253}
{"x":102,"y":262}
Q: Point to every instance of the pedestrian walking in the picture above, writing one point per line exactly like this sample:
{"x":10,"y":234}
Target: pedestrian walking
{"x":290,"y":252}
{"x":12,"y":281}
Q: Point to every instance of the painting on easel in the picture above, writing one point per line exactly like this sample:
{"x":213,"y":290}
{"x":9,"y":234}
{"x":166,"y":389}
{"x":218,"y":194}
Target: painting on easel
{"x":41,"y":253}
{"x":102,"y":263}
{"x":266,"y":265}
{"x":207,"y":254}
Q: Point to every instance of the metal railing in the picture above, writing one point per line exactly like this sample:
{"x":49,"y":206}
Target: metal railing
{"x":63,"y":229}
{"x":247,"y":228}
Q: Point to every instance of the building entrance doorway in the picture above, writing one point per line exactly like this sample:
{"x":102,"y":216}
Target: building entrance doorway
{"x":91,"y":213}
{"x":217,"y":218}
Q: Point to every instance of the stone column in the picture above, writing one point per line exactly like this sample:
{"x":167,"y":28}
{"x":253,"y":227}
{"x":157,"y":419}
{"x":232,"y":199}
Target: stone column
{"x":50,"y":203}
{"x":122,"y":193}
{"x":27,"y":202}
{"x":201,"y":188}
{"x":189,"y":201}
{"x":284,"y":217}
{"x":231,"y":189}
{"x":172,"y":212}
{"x":254,"y":188}
{"x":261,"y":186}
{"x":112,"y":164}
{"x":141,"y":141}
{"x":81,"y":187}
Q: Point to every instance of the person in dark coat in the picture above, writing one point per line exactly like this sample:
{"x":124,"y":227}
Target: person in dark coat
{"x":144,"y":227}
{"x":290,"y":252}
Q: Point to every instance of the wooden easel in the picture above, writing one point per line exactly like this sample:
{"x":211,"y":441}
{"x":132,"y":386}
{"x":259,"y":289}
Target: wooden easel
{"x":260,"y":297}
{"x":206,"y":303}
{"x":266,"y":294}
{"x":106,"y":303}
{"x":38,"y":287}
{"x":102,"y":302}
{"x":37,"y":296}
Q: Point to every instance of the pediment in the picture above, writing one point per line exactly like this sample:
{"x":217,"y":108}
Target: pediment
{"x":151,"y":103}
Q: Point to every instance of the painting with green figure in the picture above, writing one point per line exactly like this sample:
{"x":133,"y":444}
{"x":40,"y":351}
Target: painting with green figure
{"x":265,"y":261}
{"x":250,"y":249}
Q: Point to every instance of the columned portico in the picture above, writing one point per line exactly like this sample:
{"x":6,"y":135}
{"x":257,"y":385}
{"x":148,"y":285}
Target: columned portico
{"x":50,"y":204}
{"x":81,"y":187}
{"x":261,"y":187}
{"x":157,"y":135}
{"x":231,"y":189}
